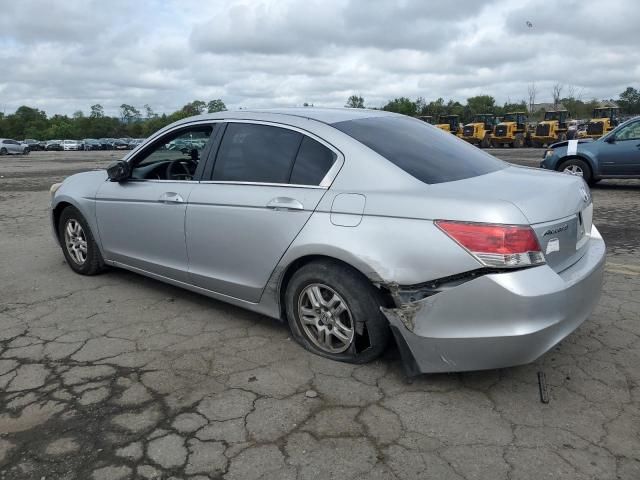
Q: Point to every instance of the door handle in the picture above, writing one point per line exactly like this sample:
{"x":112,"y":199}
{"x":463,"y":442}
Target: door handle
{"x":171,"y":197}
{"x":285,"y":203}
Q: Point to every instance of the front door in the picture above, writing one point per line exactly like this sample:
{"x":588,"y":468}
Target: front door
{"x":141,"y":220}
{"x":265,"y":184}
{"x":622,"y":156}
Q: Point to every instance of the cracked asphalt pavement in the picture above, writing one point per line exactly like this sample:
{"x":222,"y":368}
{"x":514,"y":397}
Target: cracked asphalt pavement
{"x":118,"y":376}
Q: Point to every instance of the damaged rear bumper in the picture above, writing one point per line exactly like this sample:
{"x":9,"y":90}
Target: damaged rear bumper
{"x":500,"y":319}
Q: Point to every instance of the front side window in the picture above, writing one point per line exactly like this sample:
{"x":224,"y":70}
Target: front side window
{"x":175,"y":156}
{"x":256,"y":153}
{"x":629,"y":132}
{"x":425,"y":152}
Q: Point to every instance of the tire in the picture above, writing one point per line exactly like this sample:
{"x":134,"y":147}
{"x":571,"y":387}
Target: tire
{"x":579,"y":167}
{"x":518,"y":142}
{"x":3,"y":151}
{"x":25,"y":151}
{"x":93,"y":262}
{"x":360,"y":312}
{"x":486,"y":141}
{"x":562,"y":137}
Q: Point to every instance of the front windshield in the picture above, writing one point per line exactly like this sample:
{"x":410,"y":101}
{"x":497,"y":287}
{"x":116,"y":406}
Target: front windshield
{"x":510,"y":117}
{"x":551,"y":116}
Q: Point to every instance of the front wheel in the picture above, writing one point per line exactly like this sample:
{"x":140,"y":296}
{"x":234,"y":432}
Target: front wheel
{"x":486,"y":141}
{"x":575,"y":166}
{"x":334,"y":311}
{"x":3,"y":151}
{"x":78,"y":245}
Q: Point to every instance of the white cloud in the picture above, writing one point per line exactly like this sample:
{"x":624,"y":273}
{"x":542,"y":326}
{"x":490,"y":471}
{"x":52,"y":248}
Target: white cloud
{"x":65,"y":56}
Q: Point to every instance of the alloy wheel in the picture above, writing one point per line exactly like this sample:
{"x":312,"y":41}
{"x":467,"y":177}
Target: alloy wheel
{"x":75,"y":241}
{"x":325,"y":318}
{"x":574,"y":170}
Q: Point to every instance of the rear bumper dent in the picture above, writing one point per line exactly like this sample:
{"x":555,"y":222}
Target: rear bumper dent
{"x":499,"y":320}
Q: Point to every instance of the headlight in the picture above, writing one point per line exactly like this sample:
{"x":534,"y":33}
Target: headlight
{"x":548,"y":153}
{"x":54,"y":188}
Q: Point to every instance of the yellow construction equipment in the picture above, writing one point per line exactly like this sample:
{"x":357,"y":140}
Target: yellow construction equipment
{"x":480,"y":130}
{"x":552,"y":129}
{"x":451,"y":124}
{"x":604,"y":120}
{"x":512,"y":131}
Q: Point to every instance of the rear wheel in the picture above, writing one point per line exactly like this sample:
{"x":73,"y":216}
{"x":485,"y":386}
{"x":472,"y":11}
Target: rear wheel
{"x":3,"y":151}
{"x":576,"y":166}
{"x":334,"y":311}
{"x":25,"y":151}
{"x":78,"y":245}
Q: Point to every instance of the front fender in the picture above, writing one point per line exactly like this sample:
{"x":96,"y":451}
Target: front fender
{"x":80,"y":191}
{"x":585,"y":156}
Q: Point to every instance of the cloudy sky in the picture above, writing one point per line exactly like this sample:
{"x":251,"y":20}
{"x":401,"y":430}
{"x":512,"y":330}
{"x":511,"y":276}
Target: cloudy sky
{"x":62,"y":56}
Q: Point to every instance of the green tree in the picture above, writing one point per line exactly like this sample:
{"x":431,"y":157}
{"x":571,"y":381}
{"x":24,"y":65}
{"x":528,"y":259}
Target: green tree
{"x":97,"y":111}
{"x":216,"y":105}
{"x":129,"y":113}
{"x":149,"y":111}
{"x":630,"y":101}
{"x":355,"y":101}
{"x":401,"y":105}
{"x":480,"y":104}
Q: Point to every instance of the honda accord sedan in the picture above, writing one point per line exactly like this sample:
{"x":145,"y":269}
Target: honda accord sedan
{"x":354,"y":226}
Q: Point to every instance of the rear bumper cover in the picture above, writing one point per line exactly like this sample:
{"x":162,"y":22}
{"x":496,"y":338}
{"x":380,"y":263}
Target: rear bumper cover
{"x":499,"y":320}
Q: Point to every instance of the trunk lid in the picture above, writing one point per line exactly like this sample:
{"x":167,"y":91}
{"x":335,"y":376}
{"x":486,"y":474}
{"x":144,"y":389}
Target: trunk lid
{"x":557,"y":206}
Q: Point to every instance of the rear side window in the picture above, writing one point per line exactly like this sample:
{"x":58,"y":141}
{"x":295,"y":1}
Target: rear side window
{"x":256,"y":153}
{"x":423,"y":151}
{"x":312,"y":163}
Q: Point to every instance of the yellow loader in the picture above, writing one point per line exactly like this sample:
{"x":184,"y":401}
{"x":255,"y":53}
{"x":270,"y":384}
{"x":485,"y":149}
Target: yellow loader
{"x":479,"y":130}
{"x":604,"y":120}
{"x":511,"y":131}
{"x":552,"y":129}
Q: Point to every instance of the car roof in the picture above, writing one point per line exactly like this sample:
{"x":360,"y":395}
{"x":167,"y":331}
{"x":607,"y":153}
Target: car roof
{"x":324,"y":115}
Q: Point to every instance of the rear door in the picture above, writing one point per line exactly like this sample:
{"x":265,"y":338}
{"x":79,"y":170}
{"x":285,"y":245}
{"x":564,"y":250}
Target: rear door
{"x":622,"y":157}
{"x":262,"y":188}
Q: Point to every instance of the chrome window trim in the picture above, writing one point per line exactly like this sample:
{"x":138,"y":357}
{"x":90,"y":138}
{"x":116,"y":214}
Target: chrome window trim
{"x":326,"y":181}
{"x":261,"y":184}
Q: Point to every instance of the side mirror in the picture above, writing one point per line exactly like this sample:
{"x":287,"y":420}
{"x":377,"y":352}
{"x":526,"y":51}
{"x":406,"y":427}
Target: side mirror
{"x":119,"y":171}
{"x":610,"y":139}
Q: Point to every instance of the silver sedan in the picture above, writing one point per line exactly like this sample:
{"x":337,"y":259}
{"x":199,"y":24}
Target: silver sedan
{"x":354,"y":226}
{"x":12,"y":147}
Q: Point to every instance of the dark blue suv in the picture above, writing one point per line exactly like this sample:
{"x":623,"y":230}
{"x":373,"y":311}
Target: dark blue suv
{"x":614,"y":155}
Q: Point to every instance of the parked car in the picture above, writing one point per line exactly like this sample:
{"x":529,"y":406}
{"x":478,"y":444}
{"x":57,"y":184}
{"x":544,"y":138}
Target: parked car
{"x":12,"y":147}
{"x":355,"y":226}
{"x":121,"y":144}
{"x":106,"y":143}
{"x":92,"y":144}
{"x":71,"y":145}
{"x":54,"y":145}
{"x":33,"y":145}
{"x":614,"y":155}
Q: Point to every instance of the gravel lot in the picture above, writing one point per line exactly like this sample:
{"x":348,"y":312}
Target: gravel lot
{"x":119,"y":376}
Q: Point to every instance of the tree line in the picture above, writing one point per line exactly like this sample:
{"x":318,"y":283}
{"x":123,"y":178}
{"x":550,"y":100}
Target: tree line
{"x":28,"y":122}
{"x":568,"y":97}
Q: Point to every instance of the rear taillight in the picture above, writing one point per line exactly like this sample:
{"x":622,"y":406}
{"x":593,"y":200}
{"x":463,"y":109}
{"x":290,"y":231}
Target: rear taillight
{"x":502,"y":246}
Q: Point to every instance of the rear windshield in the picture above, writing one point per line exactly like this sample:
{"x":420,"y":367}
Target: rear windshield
{"x":426,"y":152}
